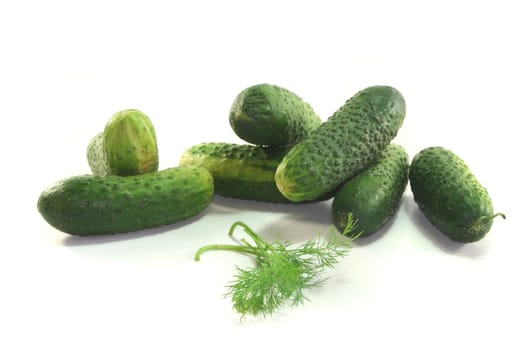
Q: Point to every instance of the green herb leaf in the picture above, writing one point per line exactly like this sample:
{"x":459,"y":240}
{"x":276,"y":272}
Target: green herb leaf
{"x":281,"y":273}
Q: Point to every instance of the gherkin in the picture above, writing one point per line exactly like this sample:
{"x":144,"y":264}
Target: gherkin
{"x":127,"y":146}
{"x":343,"y":145}
{"x":450,"y":196}
{"x":374,"y":195}
{"x":97,"y":160}
{"x":88,"y":205}
{"x":270,"y":115}
{"x":240,"y":171}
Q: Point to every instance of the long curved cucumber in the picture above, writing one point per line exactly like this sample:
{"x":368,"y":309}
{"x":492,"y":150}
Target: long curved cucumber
{"x":100,"y":205}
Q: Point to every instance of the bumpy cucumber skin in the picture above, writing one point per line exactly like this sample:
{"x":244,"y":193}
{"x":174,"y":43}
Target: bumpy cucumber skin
{"x":128,"y":146}
{"x":343,"y":145}
{"x":269,"y":115}
{"x":374,"y":195}
{"x":96,"y":157}
{"x":239,"y":171}
{"x":101,"y":205}
{"x":449,"y":195}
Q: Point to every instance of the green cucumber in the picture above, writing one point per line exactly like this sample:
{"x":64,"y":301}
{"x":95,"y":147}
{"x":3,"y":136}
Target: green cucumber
{"x":97,"y":160}
{"x":269,"y":115}
{"x":127,"y":146}
{"x":239,"y":171}
{"x":374,"y":195}
{"x":450,"y":196}
{"x":100,"y":205}
{"x":343,"y":145}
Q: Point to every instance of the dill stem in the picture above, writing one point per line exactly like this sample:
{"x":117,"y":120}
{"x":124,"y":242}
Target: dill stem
{"x":228,"y":247}
{"x":256,"y":238}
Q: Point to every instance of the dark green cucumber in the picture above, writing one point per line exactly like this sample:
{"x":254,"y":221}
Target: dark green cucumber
{"x":343,"y":145}
{"x":269,"y":115}
{"x":240,"y":171}
{"x":101,"y":205}
{"x":127,"y":146}
{"x":374,"y":195}
{"x":450,"y":196}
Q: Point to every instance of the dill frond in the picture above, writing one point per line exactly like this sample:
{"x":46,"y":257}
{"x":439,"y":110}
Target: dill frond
{"x":282,"y":273}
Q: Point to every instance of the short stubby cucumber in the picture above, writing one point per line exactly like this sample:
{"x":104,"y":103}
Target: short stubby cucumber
{"x":450,"y":196}
{"x":374,"y":195}
{"x":343,"y":145}
{"x":96,"y":157}
{"x":127,"y":146}
{"x":100,"y":205}
{"x":270,"y":115}
{"x":239,"y":170}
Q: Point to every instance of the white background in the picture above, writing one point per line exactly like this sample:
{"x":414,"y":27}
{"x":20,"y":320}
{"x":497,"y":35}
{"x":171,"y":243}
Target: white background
{"x":66,"y":67}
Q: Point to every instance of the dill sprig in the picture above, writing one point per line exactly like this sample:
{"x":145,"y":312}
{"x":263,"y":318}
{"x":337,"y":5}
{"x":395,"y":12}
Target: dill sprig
{"x":281,"y":273}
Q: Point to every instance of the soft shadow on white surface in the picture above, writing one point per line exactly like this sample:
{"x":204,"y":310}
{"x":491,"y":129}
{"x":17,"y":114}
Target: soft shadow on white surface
{"x":309,"y":209}
{"x":294,"y":228}
{"x":467,"y":250}
{"x":299,"y":222}
{"x":72,"y":241}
